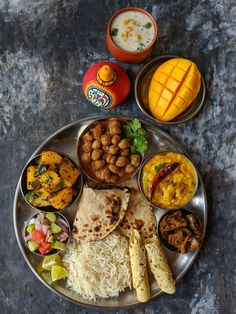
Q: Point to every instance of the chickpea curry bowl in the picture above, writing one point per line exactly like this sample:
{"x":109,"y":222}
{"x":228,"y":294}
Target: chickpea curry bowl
{"x":110,"y":150}
{"x":51,"y":181}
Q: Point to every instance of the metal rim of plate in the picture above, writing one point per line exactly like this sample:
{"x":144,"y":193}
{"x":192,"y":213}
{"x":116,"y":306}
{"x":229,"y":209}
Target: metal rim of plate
{"x":22,"y":211}
{"x":142,"y":83}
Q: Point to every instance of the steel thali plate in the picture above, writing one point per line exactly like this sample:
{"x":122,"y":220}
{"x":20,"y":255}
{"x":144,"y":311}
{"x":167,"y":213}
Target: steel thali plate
{"x":65,"y":140}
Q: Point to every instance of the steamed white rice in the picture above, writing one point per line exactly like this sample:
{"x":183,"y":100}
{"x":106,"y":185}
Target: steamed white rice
{"x":99,"y":269}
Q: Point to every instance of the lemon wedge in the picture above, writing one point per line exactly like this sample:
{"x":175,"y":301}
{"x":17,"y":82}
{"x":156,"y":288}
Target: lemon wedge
{"x":58,"y":272}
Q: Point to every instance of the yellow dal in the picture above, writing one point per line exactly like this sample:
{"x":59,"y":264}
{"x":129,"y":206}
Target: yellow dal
{"x":177,"y":188}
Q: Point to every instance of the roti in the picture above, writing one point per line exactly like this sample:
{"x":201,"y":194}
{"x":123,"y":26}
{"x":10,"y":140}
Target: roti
{"x":139,"y":214}
{"x":99,"y":213}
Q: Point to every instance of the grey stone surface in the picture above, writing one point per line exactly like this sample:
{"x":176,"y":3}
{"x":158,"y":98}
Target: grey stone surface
{"x":45,"y":47}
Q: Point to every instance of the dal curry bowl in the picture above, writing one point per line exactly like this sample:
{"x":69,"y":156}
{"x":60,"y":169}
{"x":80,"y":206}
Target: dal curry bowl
{"x":168,"y":180}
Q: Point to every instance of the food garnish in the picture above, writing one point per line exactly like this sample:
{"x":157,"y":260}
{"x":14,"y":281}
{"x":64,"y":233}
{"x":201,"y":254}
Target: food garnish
{"x":181,"y":230}
{"x":46,"y":233}
{"x":40,"y":169}
{"x":165,"y":169}
{"x":114,"y":31}
{"x":148,"y":25}
{"x":51,"y":268}
{"x":137,"y":134}
{"x":51,"y":182}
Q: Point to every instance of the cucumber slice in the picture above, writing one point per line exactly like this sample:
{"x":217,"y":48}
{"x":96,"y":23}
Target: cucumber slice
{"x":30,"y":228}
{"x":33,"y":246}
{"x":58,"y":245}
{"x":51,"y":239}
{"x":51,"y":216}
{"x":55,"y":228}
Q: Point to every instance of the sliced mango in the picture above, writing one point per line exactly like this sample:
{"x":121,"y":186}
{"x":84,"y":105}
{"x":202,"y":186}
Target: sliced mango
{"x":62,"y":199}
{"x":68,"y":171}
{"x":174,"y":87}
{"x":49,"y":180}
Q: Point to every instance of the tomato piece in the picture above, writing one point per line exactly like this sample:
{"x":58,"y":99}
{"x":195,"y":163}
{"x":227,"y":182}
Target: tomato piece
{"x":38,"y":236}
{"x":43,"y":248}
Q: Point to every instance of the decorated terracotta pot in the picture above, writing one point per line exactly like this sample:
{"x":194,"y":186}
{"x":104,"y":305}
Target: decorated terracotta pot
{"x":106,"y":85}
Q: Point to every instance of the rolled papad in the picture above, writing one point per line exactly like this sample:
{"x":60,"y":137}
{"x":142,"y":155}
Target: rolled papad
{"x":139,"y":266}
{"x":159,"y":265}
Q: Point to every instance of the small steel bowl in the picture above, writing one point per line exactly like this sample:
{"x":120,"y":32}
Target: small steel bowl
{"x":140,"y":179}
{"x":170,"y":212}
{"x":54,"y":251}
{"x":23,"y":186}
{"x":141,"y":89}
{"x":86,"y":174}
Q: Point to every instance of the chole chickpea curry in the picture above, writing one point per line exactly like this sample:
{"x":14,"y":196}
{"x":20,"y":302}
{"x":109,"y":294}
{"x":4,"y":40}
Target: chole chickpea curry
{"x":110,"y":150}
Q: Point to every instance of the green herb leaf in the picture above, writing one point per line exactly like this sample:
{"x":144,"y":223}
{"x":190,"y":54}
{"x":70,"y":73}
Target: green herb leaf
{"x":114,"y":31}
{"x":35,"y":183}
{"x":137,"y":134}
{"x":160,"y":166}
{"x":30,"y":197}
{"x":48,"y":180}
{"x":59,"y":187}
{"x":148,"y":25}
{"x":141,"y":46}
{"x":40,"y":169}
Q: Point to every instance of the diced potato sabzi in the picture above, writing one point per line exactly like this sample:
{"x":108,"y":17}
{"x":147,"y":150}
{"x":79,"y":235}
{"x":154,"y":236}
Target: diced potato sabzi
{"x":69,"y":172}
{"x":38,"y":197}
{"x":49,"y":180}
{"x":30,"y":178}
{"x":51,"y":159}
{"x":62,"y":199}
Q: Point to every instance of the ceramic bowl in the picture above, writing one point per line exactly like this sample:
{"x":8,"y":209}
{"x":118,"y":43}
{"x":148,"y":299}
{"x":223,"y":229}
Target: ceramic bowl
{"x":130,"y":56}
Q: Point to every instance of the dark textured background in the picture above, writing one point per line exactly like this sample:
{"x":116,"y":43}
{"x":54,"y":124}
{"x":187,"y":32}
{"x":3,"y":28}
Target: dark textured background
{"x":45,"y":47}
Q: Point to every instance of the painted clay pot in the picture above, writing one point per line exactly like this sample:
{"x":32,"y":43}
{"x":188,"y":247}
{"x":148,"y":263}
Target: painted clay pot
{"x":106,"y":85}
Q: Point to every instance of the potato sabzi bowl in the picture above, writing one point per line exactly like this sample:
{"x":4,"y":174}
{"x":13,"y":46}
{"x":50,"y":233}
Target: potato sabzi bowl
{"x":48,"y":183}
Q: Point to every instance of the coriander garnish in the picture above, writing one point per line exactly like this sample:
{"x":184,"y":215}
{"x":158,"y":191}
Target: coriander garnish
{"x":40,"y":169}
{"x":148,"y":25}
{"x":137,"y":134}
{"x":114,"y":31}
{"x":160,"y":166}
